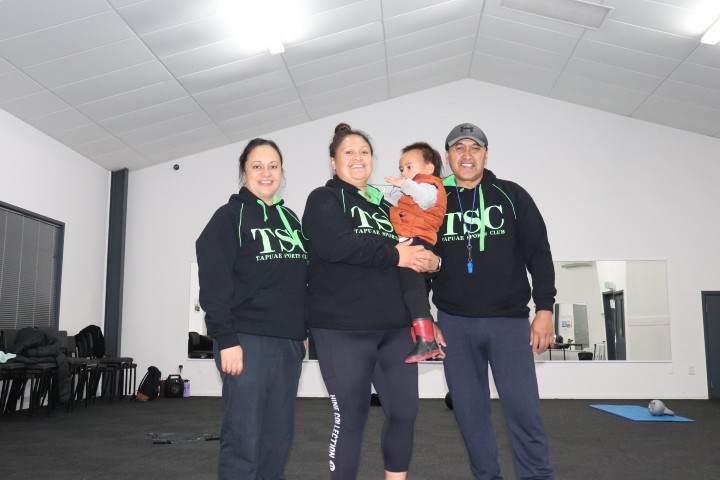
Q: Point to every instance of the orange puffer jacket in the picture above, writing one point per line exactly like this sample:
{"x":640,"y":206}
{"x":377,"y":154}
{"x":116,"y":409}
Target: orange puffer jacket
{"x":410,"y":220}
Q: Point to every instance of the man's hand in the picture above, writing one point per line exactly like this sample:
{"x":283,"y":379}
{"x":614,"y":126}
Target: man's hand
{"x":541,"y":331}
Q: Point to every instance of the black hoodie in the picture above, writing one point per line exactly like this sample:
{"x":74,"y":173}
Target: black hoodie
{"x":252,"y":264}
{"x":506,"y":242}
{"x":353,"y":281}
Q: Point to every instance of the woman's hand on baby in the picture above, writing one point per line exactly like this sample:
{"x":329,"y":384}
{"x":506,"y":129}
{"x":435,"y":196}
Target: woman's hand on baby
{"x":414,"y":256}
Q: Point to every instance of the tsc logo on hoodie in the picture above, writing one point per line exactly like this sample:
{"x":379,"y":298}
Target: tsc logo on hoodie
{"x":279,"y":243}
{"x":469,"y":224}
{"x":374,"y":223}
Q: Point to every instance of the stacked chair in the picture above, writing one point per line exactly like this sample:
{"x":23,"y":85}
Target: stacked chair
{"x":113,"y":377}
{"x":38,"y":363}
{"x":79,"y":370}
{"x":83,"y":369}
{"x":12,"y":386}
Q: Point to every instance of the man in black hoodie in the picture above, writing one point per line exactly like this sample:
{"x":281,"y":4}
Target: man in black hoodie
{"x":493,"y":234}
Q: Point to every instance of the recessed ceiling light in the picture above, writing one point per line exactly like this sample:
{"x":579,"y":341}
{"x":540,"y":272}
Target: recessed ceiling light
{"x":259,"y":24}
{"x":578,"y":12}
{"x":275,"y":45}
{"x":712,"y":36}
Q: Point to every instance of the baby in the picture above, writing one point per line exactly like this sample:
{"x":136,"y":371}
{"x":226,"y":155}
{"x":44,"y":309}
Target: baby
{"x":421,"y":201}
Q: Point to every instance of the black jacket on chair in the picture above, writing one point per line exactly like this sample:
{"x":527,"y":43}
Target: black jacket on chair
{"x":36,"y":346}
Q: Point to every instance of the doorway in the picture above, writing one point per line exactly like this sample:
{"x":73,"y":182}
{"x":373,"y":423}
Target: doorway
{"x":711,"y":321}
{"x":614,"y":307}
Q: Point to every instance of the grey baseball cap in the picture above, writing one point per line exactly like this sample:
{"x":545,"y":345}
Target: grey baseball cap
{"x":466,"y":130}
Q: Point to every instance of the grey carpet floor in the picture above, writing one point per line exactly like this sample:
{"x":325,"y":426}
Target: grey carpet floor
{"x":112,"y":441}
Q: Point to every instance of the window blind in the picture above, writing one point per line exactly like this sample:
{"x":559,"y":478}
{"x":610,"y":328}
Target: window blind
{"x":30,"y":268}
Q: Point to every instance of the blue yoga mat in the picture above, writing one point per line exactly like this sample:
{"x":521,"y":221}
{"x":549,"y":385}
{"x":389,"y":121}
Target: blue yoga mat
{"x":639,"y":414}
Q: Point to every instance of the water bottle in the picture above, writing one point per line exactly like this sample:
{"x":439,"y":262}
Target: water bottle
{"x":186,"y":388}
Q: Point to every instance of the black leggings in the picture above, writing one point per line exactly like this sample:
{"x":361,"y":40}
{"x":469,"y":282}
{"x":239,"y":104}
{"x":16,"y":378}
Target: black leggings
{"x":350,"y":361}
{"x":415,"y":288}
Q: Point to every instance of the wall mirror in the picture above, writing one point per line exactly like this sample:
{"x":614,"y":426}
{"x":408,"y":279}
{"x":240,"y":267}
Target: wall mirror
{"x":604,"y":310}
{"x":611,"y":310}
{"x":199,"y":344}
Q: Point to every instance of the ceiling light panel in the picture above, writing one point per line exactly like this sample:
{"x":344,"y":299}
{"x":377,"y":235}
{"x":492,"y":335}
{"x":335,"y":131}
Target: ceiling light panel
{"x":712,"y":36}
{"x":584,"y":14}
{"x":258,"y":25}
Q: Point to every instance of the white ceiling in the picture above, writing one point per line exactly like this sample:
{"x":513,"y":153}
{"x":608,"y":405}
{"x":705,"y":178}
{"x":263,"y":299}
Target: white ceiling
{"x":130,"y":83}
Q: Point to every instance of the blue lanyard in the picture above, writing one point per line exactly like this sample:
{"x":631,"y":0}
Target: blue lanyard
{"x":466,"y":227}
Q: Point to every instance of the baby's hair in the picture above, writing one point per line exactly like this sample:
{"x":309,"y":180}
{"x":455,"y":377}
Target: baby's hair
{"x":429,"y":154}
{"x":343,"y":130}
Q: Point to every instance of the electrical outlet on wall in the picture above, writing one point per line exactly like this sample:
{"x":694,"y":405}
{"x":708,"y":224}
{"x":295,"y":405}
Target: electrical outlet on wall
{"x":691,"y":370}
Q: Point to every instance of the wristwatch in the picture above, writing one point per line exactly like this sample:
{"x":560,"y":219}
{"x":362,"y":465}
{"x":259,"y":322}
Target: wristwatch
{"x":439,"y":265}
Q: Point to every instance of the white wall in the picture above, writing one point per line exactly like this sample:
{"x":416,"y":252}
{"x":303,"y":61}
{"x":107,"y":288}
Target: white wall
{"x":40,"y":175}
{"x":609,"y":187}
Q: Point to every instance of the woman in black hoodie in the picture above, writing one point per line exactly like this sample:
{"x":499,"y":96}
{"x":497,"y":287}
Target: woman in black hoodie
{"x":252,"y":263}
{"x":356,"y":312}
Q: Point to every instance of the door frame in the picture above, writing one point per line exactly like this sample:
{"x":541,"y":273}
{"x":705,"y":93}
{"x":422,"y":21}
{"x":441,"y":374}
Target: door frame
{"x":712,"y":345}
{"x":618,"y":324}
